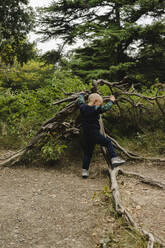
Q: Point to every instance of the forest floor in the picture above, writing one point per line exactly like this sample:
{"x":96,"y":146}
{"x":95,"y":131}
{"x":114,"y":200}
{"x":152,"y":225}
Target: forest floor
{"x":53,"y":207}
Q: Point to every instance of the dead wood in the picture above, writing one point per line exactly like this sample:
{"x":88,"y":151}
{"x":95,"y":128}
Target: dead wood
{"x":100,"y":82}
{"x":120,"y":90}
{"x":122,"y":211}
{"x":62,"y":114}
{"x":68,"y":130}
{"x":69,"y":99}
{"x":147,"y":98}
{"x":15,"y":158}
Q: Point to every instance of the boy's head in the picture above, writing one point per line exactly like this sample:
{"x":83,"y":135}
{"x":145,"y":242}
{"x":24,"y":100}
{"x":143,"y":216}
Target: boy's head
{"x":95,"y":99}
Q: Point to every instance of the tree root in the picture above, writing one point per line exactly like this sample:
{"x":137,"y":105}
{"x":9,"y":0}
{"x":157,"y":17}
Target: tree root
{"x":142,"y":178}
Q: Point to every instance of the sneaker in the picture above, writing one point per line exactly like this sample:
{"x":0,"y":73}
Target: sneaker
{"x":117,"y":161}
{"x":85,"y":173}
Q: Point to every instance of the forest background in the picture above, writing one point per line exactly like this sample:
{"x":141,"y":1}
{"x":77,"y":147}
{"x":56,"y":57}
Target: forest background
{"x":116,"y":44}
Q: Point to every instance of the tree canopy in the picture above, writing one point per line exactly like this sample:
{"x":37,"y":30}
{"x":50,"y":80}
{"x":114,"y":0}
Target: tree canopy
{"x":117,"y":39}
{"x":16,"y":21}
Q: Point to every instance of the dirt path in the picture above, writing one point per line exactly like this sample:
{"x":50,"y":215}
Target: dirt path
{"x":145,"y":203}
{"x":49,"y":208}
{"x":54,"y":207}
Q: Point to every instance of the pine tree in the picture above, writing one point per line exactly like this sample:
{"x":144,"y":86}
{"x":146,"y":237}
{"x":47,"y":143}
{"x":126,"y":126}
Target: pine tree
{"x":16,"y":21}
{"x":117,"y":42}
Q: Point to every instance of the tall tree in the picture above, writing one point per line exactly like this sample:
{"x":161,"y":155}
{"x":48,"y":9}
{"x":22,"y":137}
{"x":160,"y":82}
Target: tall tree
{"x":16,"y":20}
{"x":118,"y":41}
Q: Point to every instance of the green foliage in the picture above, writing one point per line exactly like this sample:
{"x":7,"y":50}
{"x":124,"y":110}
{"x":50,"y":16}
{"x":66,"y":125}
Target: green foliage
{"x":24,"y":111}
{"x":20,"y":51}
{"x":69,"y":83}
{"x":16,"y":21}
{"x":122,"y":67}
{"x":151,"y":57}
{"x":31,"y":75}
{"x":126,"y":236}
{"x":20,"y":14}
{"x":146,"y":142}
{"x":53,"y":148}
{"x":117,"y":42}
{"x":51,"y":57}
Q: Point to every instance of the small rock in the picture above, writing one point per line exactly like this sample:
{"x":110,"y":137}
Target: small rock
{"x":138,"y":207}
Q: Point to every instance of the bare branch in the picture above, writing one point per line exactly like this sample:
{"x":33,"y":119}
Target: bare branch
{"x":69,"y":99}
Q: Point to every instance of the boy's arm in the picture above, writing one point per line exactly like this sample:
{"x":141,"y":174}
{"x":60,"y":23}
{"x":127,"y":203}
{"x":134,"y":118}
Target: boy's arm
{"x":81,"y":99}
{"x":106,"y":107}
{"x":109,"y":104}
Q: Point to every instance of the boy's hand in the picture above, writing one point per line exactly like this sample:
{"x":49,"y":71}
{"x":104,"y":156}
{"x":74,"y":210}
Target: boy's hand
{"x":112,"y":98}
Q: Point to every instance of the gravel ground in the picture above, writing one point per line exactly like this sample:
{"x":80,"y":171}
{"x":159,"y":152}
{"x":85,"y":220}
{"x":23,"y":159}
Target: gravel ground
{"x":51,"y":207}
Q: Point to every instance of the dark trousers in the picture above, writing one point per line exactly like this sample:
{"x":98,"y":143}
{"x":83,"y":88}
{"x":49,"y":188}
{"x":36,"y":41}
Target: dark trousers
{"x":91,"y":138}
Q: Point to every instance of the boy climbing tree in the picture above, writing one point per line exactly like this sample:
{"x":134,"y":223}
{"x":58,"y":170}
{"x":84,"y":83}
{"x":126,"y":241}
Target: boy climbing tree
{"x":91,"y":130}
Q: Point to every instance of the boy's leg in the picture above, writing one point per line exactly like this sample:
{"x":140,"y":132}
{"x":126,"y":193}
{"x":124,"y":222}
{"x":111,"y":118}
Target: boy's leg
{"x":88,"y":151}
{"x":103,"y":141}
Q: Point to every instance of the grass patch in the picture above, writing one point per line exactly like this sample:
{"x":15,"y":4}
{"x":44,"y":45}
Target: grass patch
{"x":146,"y":143}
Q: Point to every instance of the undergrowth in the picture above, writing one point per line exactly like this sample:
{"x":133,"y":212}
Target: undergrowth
{"x":145,"y":144}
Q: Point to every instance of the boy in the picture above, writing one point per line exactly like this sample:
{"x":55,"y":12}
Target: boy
{"x":91,"y":129}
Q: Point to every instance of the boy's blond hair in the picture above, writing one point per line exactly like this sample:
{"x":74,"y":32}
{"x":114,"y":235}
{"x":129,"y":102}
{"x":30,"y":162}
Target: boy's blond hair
{"x":94,"y":97}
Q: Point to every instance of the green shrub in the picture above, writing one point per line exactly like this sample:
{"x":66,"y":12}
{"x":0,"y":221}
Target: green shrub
{"x":23,"y":112}
{"x":32,"y":75}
